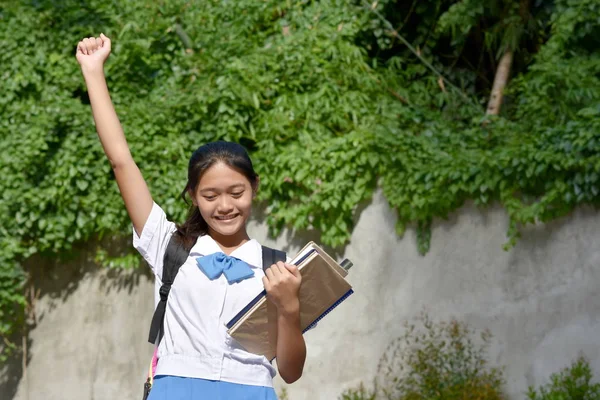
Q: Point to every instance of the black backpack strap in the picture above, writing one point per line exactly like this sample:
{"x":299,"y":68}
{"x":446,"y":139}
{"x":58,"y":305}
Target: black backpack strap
{"x":175,"y":256}
{"x":271,"y":256}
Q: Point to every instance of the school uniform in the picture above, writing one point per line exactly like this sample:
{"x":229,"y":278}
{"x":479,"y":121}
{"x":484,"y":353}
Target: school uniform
{"x":197,"y":359}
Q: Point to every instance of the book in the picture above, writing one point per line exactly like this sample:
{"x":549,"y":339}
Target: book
{"x":323,"y":288}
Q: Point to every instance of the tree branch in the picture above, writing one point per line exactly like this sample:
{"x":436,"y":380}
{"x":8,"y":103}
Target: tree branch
{"x":500,"y":80}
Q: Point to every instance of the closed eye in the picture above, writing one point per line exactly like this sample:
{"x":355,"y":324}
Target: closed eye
{"x":210,"y":198}
{"x":237,"y":195}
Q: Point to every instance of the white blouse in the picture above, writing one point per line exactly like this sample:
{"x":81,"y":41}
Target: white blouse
{"x":195,"y":342}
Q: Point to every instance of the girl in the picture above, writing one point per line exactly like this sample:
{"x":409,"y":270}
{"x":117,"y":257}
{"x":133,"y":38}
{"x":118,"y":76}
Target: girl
{"x":197,"y":359}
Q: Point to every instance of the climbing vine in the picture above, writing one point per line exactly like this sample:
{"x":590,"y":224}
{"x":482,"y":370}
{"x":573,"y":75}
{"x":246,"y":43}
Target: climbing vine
{"x":327,"y":99}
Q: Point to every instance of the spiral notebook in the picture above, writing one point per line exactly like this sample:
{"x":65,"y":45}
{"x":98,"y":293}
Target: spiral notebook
{"x":323,"y":288}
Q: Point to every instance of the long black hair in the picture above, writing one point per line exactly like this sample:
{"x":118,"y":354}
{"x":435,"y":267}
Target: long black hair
{"x":232,"y":154}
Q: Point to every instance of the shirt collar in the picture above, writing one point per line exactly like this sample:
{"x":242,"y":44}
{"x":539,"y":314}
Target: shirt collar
{"x":250,"y":252}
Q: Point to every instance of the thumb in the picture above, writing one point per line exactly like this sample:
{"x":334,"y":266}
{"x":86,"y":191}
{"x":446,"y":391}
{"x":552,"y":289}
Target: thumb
{"x":105,"y":41}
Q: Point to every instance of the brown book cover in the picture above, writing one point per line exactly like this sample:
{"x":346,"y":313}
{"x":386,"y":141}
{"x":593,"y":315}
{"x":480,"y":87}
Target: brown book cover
{"x":323,"y":287}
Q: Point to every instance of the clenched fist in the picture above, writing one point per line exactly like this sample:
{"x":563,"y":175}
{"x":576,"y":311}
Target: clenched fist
{"x":93,"y":52}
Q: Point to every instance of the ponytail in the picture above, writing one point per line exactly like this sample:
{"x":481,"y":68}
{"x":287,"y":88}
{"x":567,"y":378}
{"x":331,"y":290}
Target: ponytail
{"x":193,"y":227}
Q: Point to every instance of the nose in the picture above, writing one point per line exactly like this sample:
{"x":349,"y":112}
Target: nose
{"x":225,"y":205}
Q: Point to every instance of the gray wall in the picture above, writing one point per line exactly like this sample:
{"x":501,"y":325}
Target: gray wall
{"x":540,"y":300}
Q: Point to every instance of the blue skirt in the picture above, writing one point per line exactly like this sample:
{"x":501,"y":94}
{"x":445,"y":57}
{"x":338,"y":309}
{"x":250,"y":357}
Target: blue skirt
{"x":166,"y":387}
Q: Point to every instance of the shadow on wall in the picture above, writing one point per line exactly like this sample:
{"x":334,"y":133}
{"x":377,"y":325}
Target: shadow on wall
{"x":11,"y":374}
{"x":54,"y":278}
{"x":528,"y":260}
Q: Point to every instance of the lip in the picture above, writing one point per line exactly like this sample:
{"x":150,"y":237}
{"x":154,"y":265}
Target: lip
{"x":226,"y":218}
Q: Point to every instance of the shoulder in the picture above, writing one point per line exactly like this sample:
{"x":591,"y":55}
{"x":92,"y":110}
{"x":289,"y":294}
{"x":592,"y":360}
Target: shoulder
{"x":154,"y":238}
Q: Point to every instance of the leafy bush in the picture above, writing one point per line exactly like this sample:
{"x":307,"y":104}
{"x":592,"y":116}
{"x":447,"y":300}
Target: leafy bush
{"x":439,"y":361}
{"x":572,"y":383}
{"x":361,"y":393}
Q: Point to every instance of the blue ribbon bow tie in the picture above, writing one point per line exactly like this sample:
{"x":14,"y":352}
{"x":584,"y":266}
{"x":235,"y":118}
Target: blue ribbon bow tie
{"x":235,"y":270}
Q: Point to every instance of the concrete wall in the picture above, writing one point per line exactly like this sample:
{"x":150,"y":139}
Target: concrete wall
{"x":541,"y":301}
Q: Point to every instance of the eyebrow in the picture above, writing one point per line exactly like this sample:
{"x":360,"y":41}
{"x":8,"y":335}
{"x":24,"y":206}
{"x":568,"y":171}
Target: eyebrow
{"x":236,"y":186}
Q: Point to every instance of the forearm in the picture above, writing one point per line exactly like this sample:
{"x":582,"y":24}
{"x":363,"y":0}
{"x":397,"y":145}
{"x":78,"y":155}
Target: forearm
{"x":91,"y":55}
{"x":132,"y":186}
{"x":107,"y":122}
{"x":291,"y":348}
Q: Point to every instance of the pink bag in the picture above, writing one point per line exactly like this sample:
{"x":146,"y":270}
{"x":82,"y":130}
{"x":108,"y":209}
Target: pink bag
{"x":151,"y":373}
{"x":154,"y":361}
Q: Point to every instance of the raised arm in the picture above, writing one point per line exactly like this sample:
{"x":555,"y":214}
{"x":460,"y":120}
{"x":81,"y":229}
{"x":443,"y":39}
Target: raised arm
{"x":91,"y":55}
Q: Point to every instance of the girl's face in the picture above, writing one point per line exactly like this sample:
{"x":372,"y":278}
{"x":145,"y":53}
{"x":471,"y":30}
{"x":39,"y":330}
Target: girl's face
{"x":224,"y":198}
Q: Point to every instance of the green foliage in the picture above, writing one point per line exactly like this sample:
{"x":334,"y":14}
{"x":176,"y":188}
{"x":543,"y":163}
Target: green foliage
{"x":442,"y":362}
{"x":572,"y":383}
{"x":361,"y":393}
{"x":283,"y":395}
{"x":439,"y":360}
{"x":329,"y":104}
{"x":435,"y":361}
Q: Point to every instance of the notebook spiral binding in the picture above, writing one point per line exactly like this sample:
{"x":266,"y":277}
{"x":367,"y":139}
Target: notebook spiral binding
{"x":337,"y":303}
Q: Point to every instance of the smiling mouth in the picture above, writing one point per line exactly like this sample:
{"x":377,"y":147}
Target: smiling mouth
{"x":226,"y":217}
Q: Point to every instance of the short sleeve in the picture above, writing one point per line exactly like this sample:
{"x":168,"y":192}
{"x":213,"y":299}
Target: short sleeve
{"x":153,"y":241}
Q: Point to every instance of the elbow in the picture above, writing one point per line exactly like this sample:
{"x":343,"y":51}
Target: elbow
{"x":121,"y":162}
{"x":289,"y":379}
{"x":113,"y":164}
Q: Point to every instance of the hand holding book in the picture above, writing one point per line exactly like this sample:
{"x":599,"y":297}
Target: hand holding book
{"x":282,"y":283}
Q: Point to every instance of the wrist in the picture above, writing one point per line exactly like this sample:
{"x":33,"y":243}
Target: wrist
{"x":290,"y":309}
{"x":92,"y":71}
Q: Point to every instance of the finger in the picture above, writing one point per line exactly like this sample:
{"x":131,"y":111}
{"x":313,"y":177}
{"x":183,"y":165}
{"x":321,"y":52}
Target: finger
{"x":293,"y":269}
{"x":105,"y":39}
{"x":106,"y":42}
{"x":274,"y":270}
{"x":269,"y":273}
{"x":266,"y":284}
{"x":88,"y":46}
{"x":281,"y":268}
{"x":94,"y":44}
{"x":80,"y":47}
{"x":98,"y":43}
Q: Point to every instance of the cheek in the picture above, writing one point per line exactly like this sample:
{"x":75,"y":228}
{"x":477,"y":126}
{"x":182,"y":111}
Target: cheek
{"x":245,"y":203}
{"x":205,"y":208}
